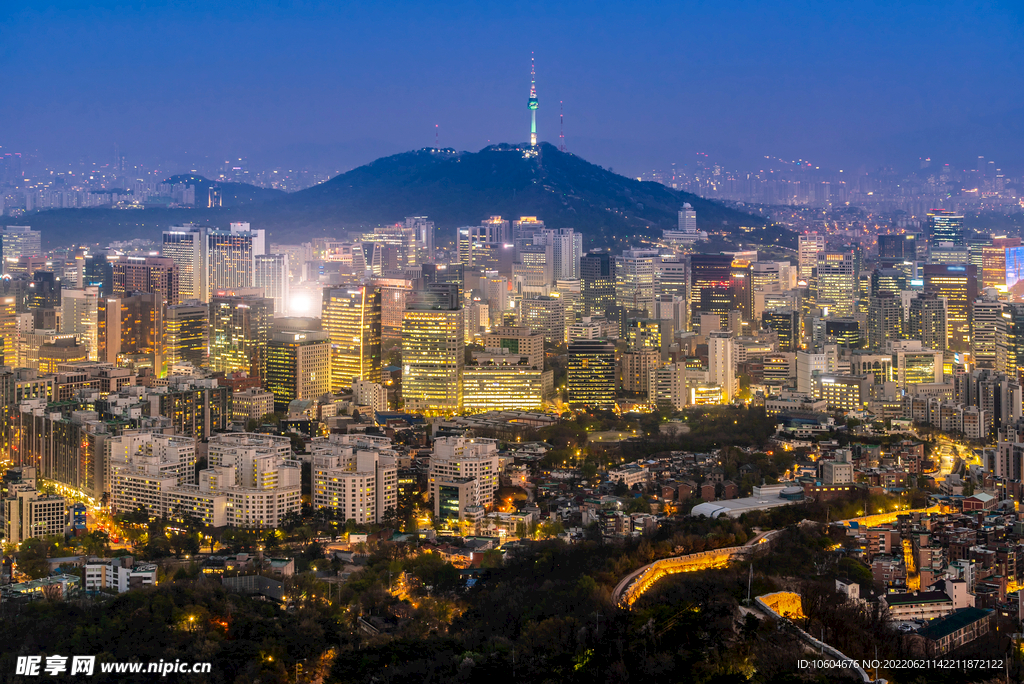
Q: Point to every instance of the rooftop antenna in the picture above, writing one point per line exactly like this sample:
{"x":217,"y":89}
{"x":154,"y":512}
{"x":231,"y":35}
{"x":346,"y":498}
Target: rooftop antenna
{"x":561,"y":128}
{"x":436,"y":135}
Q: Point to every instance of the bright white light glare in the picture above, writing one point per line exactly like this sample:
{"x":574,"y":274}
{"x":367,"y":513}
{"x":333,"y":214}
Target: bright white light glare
{"x":301,"y":304}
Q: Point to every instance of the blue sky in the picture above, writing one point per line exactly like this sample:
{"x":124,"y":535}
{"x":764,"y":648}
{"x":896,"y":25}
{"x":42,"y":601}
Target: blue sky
{"x":643,"y":84}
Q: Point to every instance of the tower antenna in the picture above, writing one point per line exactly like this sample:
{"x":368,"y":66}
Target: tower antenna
{"x":532,"y":104}
{"x":436,"y":134}
{"x":561,"y":128}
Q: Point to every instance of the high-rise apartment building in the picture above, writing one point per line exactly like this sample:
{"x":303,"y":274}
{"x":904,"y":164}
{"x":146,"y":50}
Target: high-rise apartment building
{"x":352,"y":319}
{"x":354,"y":476}
{"x":239,"y":333}
{"x":958,"y":284}
{"x":433,"y":350}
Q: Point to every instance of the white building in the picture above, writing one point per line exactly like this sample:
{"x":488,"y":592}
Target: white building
{"x":118,"y":574}
{"x":251,"y":404}
{"x":372,"y":394}
{"x":79,"y":316}
{"x":355,"y":476}
{"x":721,"y":364}
{"x":808,"y":247}
{"x":272,"y":277}
{"x":27,"y":514}
{"x":463,"y":458}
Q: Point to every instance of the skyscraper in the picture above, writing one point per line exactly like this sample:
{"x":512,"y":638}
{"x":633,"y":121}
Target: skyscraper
{"x":186,"y":246}
{"x":566,"y":250}
{"x":591,"y":375}
{"x":722,"y":364}
{"x":187,"y":334}
{"x":352,"y":319}
{"x":946,"y":226}
{"x":634,"y":280}
{"x":597,"y":275}
{"x":298,"y":366}
{"x":837,"y":282}
{"x":157,"y":275}
{"x":239,"y":332}
{"x":710,"y":285}
{"x":927,"y":320}
{"x":272,"y":277}
{"x":959,"y":285}
{"x":808,"y":246}
{"x":19,"y":241}
{"x":741,"y":283}
{"x":80,"y":317}
{"x":231,"y":259}
{"x":885,"y":320}
{"x":688,"y":219}
{"x":433,"y":350}
{"x":899,"y":246}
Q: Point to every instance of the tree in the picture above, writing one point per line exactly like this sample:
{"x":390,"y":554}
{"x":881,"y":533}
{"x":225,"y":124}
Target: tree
{"x":638,"y":505}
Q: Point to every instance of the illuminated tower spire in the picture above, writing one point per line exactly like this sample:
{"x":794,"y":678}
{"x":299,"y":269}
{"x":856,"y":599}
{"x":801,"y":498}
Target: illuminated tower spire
{"x":533,"y":103}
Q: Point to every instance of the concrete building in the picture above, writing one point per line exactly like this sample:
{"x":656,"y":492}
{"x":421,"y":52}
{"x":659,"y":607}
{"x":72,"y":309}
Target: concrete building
{"x":460,"y":458}
{"x":252,"y":404}
{"x":27,"y":514}
{"x":355,"y":476}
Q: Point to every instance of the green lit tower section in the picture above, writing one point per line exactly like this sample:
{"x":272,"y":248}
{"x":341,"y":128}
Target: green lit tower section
{"x":533,"y":104}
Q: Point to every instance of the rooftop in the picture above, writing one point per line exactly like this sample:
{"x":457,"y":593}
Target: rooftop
{"x":944,"y":626}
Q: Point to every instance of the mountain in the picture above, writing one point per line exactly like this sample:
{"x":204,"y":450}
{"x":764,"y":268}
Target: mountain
{"x":452,"y":188}
{"x":456,"y":189}
{"x":231,"y":194}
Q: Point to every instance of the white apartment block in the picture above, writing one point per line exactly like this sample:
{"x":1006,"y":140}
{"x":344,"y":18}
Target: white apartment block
{"x":117,"y":574}
{"x":251,"y":404}
{"x":372,"y":394}
{"x":463,"y":457}
{"x":252,"y":481}
{"x":27,"y":514}
{"x":356,"y":475}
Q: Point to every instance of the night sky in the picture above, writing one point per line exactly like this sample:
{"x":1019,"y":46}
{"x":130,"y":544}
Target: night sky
{"x":853,"y":84}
